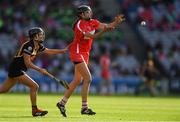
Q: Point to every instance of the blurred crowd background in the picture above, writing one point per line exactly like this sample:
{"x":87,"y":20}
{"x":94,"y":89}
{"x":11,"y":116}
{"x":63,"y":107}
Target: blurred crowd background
{"x":130,"y":46}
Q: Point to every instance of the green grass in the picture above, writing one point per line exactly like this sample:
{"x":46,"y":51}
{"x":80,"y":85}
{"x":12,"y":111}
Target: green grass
{"x":17,"y":108}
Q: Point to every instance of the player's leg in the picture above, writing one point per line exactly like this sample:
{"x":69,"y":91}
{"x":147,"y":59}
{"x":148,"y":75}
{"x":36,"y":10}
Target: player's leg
{"x":26,"y":80}
{"x":108,"y":86}
{"x":152,"y":88}
{"x":104,"y":86}
{"x":141,"y":87}
{"x":99,"y":86}
{"x":61,"y":104}
{"x":85,"y":73}
{"x":76,"y":81}
{"x":8,"y":84}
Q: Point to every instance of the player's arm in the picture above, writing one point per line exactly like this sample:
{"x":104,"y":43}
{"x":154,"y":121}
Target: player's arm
{"x":96,"y":35}
{"x":69,"y":46}
{"x":105,"y":27}
{"x":118,"y":19}
{"x":55,"y":51}
{"x":29,"y":64}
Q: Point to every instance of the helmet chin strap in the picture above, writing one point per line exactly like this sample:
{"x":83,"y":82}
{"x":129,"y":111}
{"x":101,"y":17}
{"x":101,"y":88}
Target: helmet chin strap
{"x":41,"y":41}
{"x":87,"y":19}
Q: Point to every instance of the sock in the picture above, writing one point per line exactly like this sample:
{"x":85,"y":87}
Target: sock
{"x":34,"y":107}
{"x":63,"y":101}
{"x":84,"y":104}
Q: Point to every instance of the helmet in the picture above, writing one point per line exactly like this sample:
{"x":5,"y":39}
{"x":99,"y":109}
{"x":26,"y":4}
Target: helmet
{"x":33,"y":31}
{"x":83,"y":8}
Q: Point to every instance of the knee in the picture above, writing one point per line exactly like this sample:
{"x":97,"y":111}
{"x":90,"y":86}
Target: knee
{"x":88,"y":79}
{"x":74,"y":83}
{"x":35,"y":87}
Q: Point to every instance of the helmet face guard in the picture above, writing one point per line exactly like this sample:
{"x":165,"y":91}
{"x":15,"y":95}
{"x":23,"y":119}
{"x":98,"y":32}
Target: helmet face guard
{"x":33,"y":31}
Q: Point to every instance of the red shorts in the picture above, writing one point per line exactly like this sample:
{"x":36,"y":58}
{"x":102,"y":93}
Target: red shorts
{"x":105,"y":74}
{"x":80,"y":57}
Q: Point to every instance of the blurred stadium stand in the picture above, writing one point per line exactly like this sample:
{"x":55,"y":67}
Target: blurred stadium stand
{"x":130,"y":45}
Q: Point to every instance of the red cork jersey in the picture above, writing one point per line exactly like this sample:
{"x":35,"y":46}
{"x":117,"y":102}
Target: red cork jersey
{"x":81,"y":43}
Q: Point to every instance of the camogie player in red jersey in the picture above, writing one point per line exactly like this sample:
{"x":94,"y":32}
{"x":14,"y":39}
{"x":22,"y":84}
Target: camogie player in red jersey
{"x":23,"y":60}
{"x":84,"y":33}
{"x":105,"y":63}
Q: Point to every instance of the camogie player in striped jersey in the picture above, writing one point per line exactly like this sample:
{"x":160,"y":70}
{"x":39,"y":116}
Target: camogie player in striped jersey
{"x":84,"y":33}
{"x":23,"y":60}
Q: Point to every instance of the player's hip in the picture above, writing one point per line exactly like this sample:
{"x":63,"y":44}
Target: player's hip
{"x":16,"y":69}
{"x":106,"y":74}
{"x":79,"y":57}
{"x":80,"y":48}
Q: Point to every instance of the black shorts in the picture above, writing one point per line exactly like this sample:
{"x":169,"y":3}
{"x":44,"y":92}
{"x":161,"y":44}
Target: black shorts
{"x":76,"y":62}
{"x":16,"y":68}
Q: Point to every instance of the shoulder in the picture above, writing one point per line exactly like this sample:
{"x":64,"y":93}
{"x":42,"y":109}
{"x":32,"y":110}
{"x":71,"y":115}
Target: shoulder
{"x":94,"y":21}
{"x":28,"y":47}
{"x":80,"y":22}
{"x":28,"y":44}
{"x":80,"y":25}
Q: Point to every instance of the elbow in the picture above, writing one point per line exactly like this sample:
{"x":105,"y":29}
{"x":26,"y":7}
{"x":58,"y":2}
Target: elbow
{"x":92,"y":37}
{"x":88,"y":35}
{"x":95,"y":36}
{"x":28,"y":64}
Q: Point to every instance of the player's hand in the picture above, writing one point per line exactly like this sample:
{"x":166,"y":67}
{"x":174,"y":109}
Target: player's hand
{"x":119,"y":18}
{"x":65,"y":49}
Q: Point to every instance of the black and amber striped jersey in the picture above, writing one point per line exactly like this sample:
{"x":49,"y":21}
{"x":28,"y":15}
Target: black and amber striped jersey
{"x":28,"y":48}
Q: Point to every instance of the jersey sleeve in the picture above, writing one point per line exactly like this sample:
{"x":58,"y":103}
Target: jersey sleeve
{"x":41,"y":48}
{"x":28,"y":49}
{"x":95,"y":23}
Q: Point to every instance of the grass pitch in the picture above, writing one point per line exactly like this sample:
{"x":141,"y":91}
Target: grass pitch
{"x":17,"y":108}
